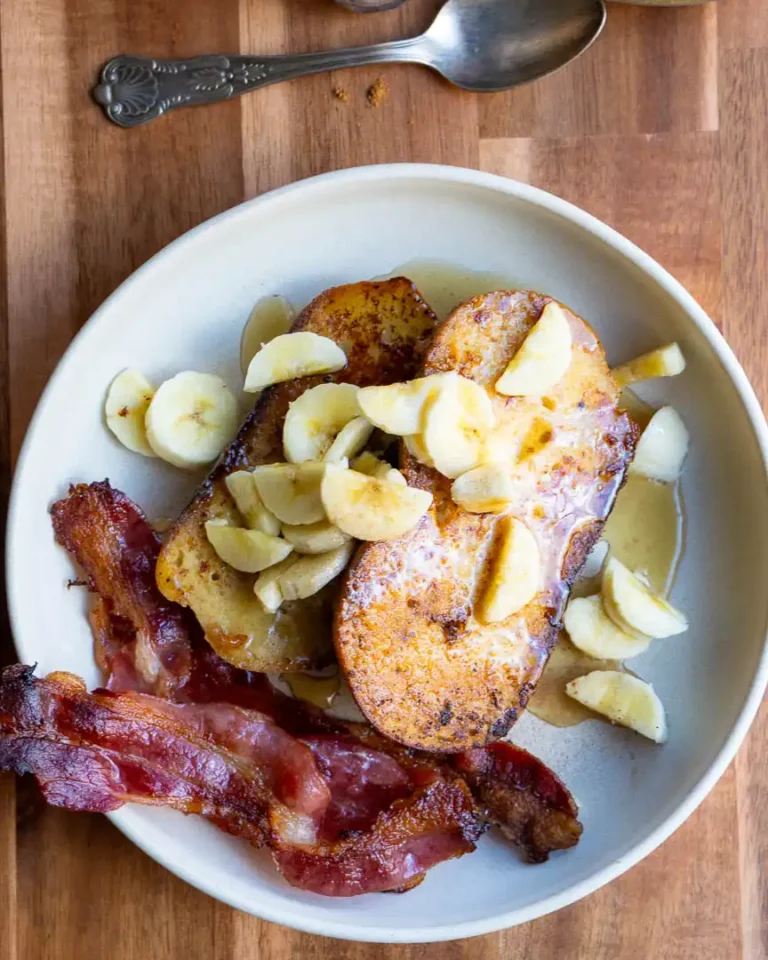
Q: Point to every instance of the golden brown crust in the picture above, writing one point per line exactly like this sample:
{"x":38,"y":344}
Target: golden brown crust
{"x":421,"y":667}
{"x":384,"y":328}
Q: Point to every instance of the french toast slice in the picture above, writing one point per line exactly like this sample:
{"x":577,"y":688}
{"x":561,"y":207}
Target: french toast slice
{"x":384,"y":327}
{"x":420,"y":665}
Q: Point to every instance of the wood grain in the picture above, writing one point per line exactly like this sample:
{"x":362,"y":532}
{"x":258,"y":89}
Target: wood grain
{"x":744,"y":136}
{"x":652,"y":71}
{"x":661,"y":130}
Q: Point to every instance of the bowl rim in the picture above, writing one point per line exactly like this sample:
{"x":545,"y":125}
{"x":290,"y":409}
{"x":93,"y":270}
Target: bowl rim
{"x":567,"y":211}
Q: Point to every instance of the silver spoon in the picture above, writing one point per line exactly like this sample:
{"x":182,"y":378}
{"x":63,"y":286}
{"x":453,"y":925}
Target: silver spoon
{"x":479,"y":45}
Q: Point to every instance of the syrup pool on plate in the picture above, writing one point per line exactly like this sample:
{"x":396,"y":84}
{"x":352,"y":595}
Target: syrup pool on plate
{"x":646,"y":531}
{"x":445,"y":285}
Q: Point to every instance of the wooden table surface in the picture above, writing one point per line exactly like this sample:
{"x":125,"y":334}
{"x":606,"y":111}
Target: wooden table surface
{"x":661,"y":130}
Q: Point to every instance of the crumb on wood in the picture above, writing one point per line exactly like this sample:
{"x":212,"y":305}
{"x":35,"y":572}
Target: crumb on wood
{"x":377,"y":92}
{"x":340,"y":94}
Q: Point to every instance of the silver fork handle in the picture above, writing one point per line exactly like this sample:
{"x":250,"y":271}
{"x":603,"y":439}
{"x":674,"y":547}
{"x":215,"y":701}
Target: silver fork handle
{"x":135,"y":90}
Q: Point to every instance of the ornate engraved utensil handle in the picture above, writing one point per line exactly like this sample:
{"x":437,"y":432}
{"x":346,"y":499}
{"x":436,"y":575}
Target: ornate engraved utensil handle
{"x":134,"y":90}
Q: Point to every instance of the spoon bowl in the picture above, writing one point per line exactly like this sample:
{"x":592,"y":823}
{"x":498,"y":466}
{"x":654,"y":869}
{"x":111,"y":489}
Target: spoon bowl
{"x":479,"y":45}
{"x":487,"y":45}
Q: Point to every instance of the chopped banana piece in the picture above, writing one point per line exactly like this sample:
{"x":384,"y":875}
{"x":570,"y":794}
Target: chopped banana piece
{"x":662,"y":448}
{"x":486,"y":489}
{"x":623,"y":699}
{"x":515,"y":572}
{"x":317,"y":537}
{"x":543,"y":358}
{"x":292,"y":355}
{"x":242,"y":489}
{"x":311,"y":573}
{"x":126,"y":406}
{"x":316,"y":417}
{"x":267,"y":586}
{"x":191,"y":418}
{"x":371,"y":509}
{"x":393,"y":475}
{"x":249,"y":551}
{"x":350,"y":440}
{"x":457,"y":421}
{"x":271,"y":317}
{"x":292,"y":490}
{"x":666,"y":361}
{"x":369,"y":464}
{"x":594,"y":633}
{"x":397,"y":408}
{"x":634,"y":608}
{"x":414,"y":444}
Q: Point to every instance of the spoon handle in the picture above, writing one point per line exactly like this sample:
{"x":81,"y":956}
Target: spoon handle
{"x":135,"y":90}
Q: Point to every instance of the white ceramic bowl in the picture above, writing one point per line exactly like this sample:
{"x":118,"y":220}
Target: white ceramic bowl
{"x":185,"y":309}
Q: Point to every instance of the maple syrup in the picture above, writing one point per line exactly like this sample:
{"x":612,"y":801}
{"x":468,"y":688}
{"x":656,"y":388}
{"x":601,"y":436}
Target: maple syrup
{"x":646,"y":531}
{"x":445,"y":285}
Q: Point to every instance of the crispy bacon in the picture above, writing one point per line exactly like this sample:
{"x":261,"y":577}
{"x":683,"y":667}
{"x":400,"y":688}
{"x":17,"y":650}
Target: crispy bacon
{"x":530,"y":804}
{"x":435,"y":823}
{"x":142,"y":640}
{"x":344,"y":809}
{"x":238,"y":769}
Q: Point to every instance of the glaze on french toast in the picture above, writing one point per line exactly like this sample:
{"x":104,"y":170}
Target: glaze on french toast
{"x":421,"y":666}
{"x":384,"y":327}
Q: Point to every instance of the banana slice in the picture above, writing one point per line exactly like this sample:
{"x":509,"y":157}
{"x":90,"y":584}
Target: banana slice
{"x":350,"y":440}
{"x":457,"y":422}
{"x":371,"y":509}
{"x":249,"y":551}
{"x":666,"y":361}
{"x":128,"y":399}
{"x":624,"y":699}
{"x":369,"y":464}
{"x":543,"y":358}
{"x":191,"y":418}
{"x":317,"y":537}
{"x":293,"y":355}
{"x":314,"y":420}
{"x":515,"y":573}
{"x":634,"y":608}
{"x":270,"y":317}
{"x":662,"y":448}
{"x":393,"y":475}
{"x":242,"y":489}
{"x":267,"y":586}
{"x":292,"y":490}
{"x":594,"y":633}
{"x":414,"y":444}
{"x":311,"y":573}
{"x":486,"y":489}
{"x":398,"y":407}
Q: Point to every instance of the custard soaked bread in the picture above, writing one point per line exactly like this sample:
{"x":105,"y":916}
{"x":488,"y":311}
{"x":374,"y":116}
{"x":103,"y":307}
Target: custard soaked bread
{"x":384,"y":328}
{"x":430,"y":660}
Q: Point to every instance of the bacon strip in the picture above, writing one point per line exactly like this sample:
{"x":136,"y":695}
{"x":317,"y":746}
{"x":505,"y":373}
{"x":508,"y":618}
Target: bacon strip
{"x":142,"y":640}
{"x":365,"y":774}
{"x":436,"y":823}
{"x":236,"y":768}
{"x":530,"y":804}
